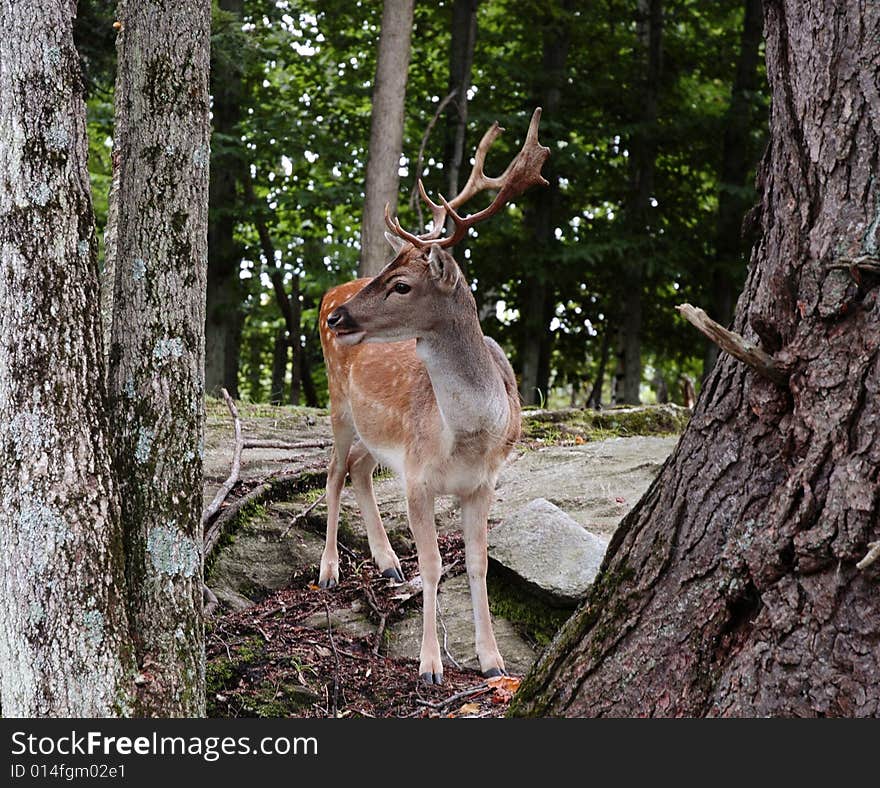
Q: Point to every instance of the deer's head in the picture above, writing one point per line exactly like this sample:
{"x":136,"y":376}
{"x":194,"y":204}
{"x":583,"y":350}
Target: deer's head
{"x":421,"y":286}
{"x":408,"y":298}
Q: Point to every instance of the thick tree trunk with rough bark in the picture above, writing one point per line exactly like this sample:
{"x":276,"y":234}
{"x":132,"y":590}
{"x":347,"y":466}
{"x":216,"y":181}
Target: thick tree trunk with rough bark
{"x":733,"y":588}
{"x":157,"y":358}
{"x":386,"y":132}
{"x":642,"y":163}
{"x":736,"y":164}
{"x":64,"y":647}
{"x":223,"y":313}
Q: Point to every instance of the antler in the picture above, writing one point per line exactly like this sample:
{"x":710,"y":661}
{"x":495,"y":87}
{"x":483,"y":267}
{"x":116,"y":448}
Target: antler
{"x":523,"y":172}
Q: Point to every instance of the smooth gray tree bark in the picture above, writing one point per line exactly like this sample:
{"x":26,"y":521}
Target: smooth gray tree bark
{"x":386,"y":132}
{"x":157,"y":356}
{"x":64,"y":644}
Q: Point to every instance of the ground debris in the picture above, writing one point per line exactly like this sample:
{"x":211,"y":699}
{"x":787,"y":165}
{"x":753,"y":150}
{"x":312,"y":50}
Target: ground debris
{"x":266,"y":662}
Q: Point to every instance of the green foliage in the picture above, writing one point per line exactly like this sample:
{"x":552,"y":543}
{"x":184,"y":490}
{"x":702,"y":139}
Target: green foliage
{"x":306,"y":70}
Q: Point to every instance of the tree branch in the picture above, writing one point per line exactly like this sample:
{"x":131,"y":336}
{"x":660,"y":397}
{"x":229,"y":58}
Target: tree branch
{"x":872,"y":555}
{"x":414,"y":201}
{"x":227,"y":486}
{"x":259,"y":443}
{"x":734,"y":344}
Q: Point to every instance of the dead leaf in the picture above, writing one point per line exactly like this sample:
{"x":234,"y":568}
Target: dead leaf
{"x":469,"y":708}
{"x":313,"y":587}
{"x":322,"y":652}
{"x":507,"y":683}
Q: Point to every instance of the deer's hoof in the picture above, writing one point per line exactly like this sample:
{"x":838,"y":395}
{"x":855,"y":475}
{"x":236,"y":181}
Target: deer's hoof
{"x":431,"y":678}
{"x":395,"y":574}
{"x":329,"y":583}
{"x":493,"y":672}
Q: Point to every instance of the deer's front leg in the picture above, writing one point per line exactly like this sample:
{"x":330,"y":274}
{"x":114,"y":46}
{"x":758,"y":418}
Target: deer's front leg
{"x":420,"y":507}
{"x":474,"y":519}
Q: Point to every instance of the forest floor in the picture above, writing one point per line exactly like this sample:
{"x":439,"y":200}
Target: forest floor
{"x":279,"y":646}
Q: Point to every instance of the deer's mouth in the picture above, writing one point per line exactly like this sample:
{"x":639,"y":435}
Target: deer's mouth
{"x":350,"y":337}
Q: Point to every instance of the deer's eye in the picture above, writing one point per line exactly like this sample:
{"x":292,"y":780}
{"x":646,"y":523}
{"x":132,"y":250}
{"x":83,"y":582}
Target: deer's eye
{"x":402,"y":287}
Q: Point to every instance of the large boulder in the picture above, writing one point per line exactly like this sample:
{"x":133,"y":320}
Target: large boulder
{"x":548,"y":551}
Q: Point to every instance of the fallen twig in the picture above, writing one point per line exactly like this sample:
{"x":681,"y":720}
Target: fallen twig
{"x":304,"y":513}
{"x":452,"y":659}
{"x":213,"y":507}
{"x":383,"y":618}
{"x":480,"y":689}
{"x":261,"y":443}
{"x":872,"y":555}
{"x":734,"y":344}
{"x":336,"y":665}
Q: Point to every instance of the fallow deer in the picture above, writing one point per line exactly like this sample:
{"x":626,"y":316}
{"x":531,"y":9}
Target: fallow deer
{"x":434,"y":399}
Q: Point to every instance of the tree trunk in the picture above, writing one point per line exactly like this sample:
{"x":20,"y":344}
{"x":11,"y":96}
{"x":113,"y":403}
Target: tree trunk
{"x":732,"y":588}
{"x":157,"y":358}
{"x":386,"y":132}
{"x":539,"y":294}
{"x":736,"y":164}
{"x":223,"y":316}
{"x":463,"y":39}
{"x":280,"y":357}
{"x":64,"y":644}
{"x":595,"y":399}
{"x":642,"y":159}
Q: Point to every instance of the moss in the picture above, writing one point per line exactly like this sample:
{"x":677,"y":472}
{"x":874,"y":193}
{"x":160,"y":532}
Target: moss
{"x":584,"y":426}
{"x":278,"y":700}
{"x":533,"y":617}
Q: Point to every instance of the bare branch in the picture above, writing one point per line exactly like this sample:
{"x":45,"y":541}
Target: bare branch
{"x":210,"y":601}
{"x":734,"y":344}
{"x":304,"y":513}
{"x":227,"y":486}
{"x":872,"y":555}
{"x":413,"y":200}
{"x":259,"y":443}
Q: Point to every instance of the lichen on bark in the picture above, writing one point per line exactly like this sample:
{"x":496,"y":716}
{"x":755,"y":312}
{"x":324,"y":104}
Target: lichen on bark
{"x":64,"y":644}
{"x":157,"y":358}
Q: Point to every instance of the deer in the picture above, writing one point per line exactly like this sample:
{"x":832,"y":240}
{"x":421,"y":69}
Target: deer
{"x":416,"y":387}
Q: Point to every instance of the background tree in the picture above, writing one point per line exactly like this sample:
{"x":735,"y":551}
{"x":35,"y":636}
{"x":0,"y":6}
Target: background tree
{"x":733,"y":588}
{"x":157,"y":356}
{"x":386,"y":131}
{"x":64,"y":643}
{"x":223,"y":312}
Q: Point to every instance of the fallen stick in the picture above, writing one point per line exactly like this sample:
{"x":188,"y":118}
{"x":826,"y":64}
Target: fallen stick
{"x":304,"y":513}
{"x":269,"y":443}
{"x":227,"y":486}
{"x":480,"y":689}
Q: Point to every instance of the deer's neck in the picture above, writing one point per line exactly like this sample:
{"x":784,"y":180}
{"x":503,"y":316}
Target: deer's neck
{"x":466,"y":380}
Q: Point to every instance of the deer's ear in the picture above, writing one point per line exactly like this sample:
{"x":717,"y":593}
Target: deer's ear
{"x":397,"y":243}
{"x":443,"y":268}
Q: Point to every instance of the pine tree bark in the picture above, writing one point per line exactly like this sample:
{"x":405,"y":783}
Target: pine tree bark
{"x":736,"y":164}
{"x":64,"y":645}
{"x":386,"y":132}
{"x":223,"y":315}
{"x":642,"y":163}
{"x":157,"y":358}
{"x":732,"y":588}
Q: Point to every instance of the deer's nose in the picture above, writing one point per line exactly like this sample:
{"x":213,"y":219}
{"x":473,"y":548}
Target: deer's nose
{"x":339,"y":318}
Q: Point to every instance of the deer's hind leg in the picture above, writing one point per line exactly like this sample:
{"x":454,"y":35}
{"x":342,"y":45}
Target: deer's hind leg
{"x":360,"y":467}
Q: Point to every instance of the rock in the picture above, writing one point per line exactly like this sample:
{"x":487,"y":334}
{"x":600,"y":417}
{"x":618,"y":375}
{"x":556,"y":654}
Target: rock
{"x":454,"y":601}
{"x":232,"y":599}
{"x":548,"y":551}
{"x":351,"y":622}
{"x":261,"y":558}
